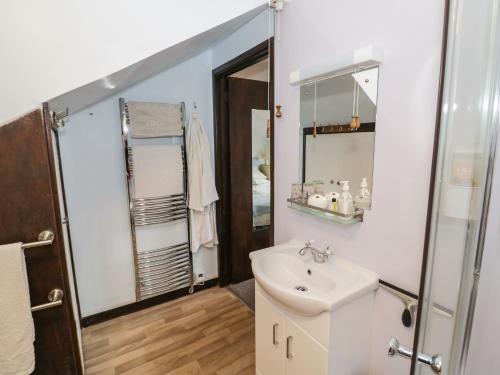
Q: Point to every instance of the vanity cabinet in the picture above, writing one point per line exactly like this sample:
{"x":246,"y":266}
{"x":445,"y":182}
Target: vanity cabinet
{"x":269,"y":334}
{"x":304,"y":355}
{"x":331,"y":343}
{"x":282,"y":347}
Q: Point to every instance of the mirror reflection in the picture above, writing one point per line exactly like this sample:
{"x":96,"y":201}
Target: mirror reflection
{"x":337,"y":136}
{"x":261,"y":168}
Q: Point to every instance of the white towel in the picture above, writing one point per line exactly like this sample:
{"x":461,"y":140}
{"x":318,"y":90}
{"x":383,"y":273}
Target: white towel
{"x":149,"y":120}
{"x":202,"y":193}
{"x":17,"y":333}
{"x":158,"y":170}
{"x":203,"y":228}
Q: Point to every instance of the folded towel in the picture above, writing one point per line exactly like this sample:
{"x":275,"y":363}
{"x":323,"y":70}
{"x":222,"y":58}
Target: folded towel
{"x":149,"y":120}
{"x":17,"y":333}
{"x":158,"y":170}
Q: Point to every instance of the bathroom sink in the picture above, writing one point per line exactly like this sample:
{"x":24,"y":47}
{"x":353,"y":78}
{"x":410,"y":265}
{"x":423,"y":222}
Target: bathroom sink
{"x":307,"y":287}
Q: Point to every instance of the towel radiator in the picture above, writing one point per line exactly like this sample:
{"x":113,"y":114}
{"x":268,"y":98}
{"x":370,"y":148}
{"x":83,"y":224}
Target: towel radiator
{"x":168,"y":268}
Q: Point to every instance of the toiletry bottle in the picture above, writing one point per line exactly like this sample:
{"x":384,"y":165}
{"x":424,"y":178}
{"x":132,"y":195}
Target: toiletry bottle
{"x":334,"y":205}
{"x":345,"y":201}
{"x":363,"y":199}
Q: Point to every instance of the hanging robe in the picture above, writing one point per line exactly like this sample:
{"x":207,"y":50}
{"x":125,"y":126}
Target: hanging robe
{"x":202,"y":194}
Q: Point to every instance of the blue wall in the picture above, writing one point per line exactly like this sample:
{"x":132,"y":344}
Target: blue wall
{"x":93,"y":170}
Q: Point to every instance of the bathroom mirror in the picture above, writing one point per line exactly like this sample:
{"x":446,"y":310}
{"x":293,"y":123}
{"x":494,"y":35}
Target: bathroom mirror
{"x":261,"y":168}
{"x":337,"y":131}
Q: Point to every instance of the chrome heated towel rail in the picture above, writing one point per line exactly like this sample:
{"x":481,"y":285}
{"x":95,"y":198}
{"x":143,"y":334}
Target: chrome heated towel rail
{"x":168,"y":268}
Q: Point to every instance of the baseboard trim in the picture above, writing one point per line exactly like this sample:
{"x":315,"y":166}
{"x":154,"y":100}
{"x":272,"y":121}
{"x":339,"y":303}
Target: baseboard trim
{"x":141,"y":305}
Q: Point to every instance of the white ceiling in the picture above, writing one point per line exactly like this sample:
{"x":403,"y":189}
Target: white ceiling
{"x":96,"y":91}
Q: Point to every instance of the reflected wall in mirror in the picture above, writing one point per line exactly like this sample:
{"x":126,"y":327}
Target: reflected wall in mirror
{"x":261,"y":168}
{"x":337,"y":135}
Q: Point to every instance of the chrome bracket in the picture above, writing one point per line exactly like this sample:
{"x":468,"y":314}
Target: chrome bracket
{"x":277,"y":4}
{"x":58,"y":119}
{"x":410,"y":303}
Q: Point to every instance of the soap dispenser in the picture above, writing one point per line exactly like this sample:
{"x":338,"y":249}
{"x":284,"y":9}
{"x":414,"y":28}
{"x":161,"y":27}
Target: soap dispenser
{"x":345,"y":201}
{"x":363,"y":199}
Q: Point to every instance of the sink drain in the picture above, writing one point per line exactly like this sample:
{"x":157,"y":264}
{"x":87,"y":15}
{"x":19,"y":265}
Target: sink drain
{"x":301,"y":288}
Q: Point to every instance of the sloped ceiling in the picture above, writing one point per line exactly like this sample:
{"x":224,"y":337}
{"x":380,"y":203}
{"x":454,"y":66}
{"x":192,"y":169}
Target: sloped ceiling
{"x":52,"y":47}
{"x":98,"y":90}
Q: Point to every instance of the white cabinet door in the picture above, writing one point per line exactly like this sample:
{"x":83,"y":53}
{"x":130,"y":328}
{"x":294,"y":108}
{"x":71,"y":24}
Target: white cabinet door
{"x":303,"y":354}
{"x":269,"y":338}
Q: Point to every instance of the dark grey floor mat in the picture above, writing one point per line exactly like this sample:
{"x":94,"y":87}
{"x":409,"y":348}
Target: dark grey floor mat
{"x":245,"y":291}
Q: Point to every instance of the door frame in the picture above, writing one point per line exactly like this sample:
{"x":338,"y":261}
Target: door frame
{"x":432,"y":181}
{"x":221,"y":146}
{"x":59,"y":238}
{"x":54,"y":134}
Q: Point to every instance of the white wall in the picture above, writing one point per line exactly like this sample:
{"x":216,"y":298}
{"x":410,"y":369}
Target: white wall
{"x":93,"y":170}
{"x":52,"y":47}
{"x":243,"y":39}
{"x":391,"y":239}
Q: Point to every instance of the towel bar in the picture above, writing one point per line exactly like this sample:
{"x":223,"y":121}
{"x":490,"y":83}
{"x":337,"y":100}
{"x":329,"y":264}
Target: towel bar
{"x":55,"y":297}
{"x":44,"y":238}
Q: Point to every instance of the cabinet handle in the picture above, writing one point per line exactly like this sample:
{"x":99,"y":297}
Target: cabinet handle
{"x":275,"y":328}
{"x":289,"y":347}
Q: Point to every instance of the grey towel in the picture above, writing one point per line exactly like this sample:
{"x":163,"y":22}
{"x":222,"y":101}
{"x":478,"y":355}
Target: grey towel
{"x":150,"y":120}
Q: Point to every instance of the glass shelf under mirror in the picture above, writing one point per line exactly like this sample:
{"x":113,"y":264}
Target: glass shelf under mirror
{"x":334,"y":216}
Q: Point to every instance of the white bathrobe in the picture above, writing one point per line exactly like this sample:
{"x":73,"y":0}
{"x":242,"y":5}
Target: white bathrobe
{"x":201,"y":193}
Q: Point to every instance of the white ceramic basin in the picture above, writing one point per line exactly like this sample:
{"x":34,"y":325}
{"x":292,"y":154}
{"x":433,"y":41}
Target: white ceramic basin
{"x":282,"y":273}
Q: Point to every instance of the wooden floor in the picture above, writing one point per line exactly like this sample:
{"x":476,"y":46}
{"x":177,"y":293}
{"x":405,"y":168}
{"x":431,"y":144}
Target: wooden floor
{"x":210,"y":332}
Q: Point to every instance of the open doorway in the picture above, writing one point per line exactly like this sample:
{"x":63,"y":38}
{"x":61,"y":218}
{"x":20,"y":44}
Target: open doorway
{"x":244,"y":170}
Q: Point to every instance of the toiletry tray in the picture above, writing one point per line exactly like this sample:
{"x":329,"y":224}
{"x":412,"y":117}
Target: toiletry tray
{"x":334,"y":216}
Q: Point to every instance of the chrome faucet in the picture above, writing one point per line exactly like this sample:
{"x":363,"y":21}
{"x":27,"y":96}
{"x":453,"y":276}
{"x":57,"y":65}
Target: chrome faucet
{"x":318,"y":255}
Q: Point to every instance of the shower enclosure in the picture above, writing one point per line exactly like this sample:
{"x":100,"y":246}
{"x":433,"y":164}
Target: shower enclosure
{"x":454,"y":322}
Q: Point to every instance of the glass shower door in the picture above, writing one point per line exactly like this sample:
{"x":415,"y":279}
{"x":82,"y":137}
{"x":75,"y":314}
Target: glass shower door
{"x":466,"y":150}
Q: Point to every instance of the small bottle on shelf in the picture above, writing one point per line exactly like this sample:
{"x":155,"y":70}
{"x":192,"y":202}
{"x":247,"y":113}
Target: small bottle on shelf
{"x":363,"y":198}
{"x":345,"y":201}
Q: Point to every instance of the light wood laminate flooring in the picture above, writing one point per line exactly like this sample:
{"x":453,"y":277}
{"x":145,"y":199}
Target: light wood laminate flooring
{"x":210,"y":332}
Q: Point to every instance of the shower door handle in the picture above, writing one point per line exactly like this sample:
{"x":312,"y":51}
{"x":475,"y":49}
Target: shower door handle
{"x":435,"y":362}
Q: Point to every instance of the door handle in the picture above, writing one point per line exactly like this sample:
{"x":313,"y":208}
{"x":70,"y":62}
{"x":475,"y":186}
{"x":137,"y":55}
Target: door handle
{"x":435,"y":362}
{"x":275,"y":328}
{"x":289,"y":347}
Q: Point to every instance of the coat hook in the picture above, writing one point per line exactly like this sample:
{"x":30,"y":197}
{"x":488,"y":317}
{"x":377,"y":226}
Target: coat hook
{"x":195,"y":106}
{"x":278,"y":111}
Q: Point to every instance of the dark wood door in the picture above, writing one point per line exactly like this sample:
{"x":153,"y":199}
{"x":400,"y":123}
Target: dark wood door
{"x":243,"y":96}
{"x":29,"y":204}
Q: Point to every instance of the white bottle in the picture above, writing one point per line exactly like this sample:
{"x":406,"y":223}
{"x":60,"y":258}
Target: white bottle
{"x":345,"y":202}
{"x":363,"y":199}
